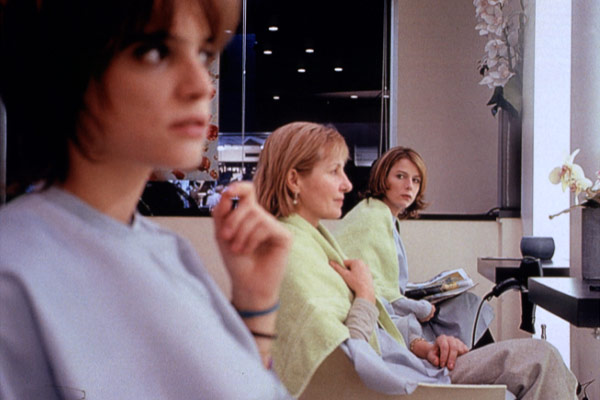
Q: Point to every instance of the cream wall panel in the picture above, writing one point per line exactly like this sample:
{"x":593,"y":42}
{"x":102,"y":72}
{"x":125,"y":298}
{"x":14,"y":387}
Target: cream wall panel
{"x":432,"y":246}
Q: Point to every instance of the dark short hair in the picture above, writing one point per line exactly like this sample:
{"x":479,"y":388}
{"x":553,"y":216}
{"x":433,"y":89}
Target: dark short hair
{"x":377,"y":186}
{"x":51,"y":50}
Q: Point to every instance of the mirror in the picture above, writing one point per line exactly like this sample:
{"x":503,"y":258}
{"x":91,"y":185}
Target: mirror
{"x":318,"y":61}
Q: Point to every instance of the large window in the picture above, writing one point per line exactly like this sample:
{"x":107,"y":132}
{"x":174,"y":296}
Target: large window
{"x":321,"y":61}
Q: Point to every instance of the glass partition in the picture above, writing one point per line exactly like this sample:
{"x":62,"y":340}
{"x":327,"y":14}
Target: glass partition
{"x":320,"y":61}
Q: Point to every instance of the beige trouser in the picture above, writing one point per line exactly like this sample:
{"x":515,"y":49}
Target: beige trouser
{"x":531,"y":369}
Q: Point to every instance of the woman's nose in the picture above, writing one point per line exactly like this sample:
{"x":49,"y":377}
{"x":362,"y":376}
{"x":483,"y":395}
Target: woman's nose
{"x":346,"y":184}
{"x":194,"y":80}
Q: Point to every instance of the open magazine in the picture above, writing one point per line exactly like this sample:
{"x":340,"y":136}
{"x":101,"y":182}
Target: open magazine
{"x":441,"y":287}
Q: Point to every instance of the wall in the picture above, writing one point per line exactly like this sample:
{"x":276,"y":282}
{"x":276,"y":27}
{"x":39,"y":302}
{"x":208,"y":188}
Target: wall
{"x":585,"y":134}
{"x":441,"y":109}
{"x":432,"y":246}
{"x":546,"y":133}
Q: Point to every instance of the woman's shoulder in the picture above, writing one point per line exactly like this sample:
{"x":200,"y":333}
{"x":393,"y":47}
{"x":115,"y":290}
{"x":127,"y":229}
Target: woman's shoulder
{"x":38,"y":227}
{"x":304,"y":235}
{"x":26,"y":227}
{"x":27,"y":211}
{"x":369,"y":214}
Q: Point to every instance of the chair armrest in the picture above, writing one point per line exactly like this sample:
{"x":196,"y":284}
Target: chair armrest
{"x":336,"y":379}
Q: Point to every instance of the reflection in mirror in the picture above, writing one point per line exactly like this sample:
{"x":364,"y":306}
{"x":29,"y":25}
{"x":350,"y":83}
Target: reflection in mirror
{"x":320,"y":61}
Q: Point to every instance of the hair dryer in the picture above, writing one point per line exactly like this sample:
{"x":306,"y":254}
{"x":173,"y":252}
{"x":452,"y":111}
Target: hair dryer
{"x":529,"y":267}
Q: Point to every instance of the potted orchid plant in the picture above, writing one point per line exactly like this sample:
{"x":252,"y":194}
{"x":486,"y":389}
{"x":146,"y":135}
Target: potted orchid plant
{"x":571,"y":175}
{"x":502,"y":21}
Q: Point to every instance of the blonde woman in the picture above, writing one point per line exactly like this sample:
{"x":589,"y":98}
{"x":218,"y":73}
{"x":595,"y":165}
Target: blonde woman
{"x":329,"y":301}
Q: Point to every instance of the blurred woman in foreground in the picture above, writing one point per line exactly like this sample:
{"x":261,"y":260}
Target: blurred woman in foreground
{"x":96,"y":300}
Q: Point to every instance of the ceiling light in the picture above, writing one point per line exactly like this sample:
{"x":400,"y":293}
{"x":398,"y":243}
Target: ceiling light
{"x":338,"y":69}
{"x":275,"y":97}
{"x":301,"y":70}
{"x":273,"y":28}
{"x":354,"y":96}
{"x":310,"y":51}
{"x":268,"y":52}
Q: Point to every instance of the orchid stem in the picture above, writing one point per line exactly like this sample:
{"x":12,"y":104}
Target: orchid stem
{"x":566,"y":210}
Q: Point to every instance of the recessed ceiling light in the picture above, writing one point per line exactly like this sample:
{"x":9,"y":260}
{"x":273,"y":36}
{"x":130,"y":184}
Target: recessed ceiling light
{"x":354,"y":96}
{"x":268,"y":52}
{"x":273,"y":28}
{"x":301,"y":70}
{"x":310,"y":51}
{"x":338,"y":69}
{"x":275,"y":97}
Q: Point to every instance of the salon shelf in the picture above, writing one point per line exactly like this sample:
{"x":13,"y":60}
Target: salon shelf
{"x":570,"y":298}
{"x":497,"y":269}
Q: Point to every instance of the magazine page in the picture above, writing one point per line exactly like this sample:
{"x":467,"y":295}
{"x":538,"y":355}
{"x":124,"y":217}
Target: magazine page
{"x":442,"y":286}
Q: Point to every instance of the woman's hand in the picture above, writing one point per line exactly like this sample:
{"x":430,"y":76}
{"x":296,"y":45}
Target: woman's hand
{"x":254,"y":247}
{"x":357,"y":276}
{"x":442,"y":353}
{"x":431,"y":314}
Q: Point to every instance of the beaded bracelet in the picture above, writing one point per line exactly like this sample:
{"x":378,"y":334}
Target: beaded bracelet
{"x":412,"y":344}
{"x":253,"y":313}
{"x":264,"y":335}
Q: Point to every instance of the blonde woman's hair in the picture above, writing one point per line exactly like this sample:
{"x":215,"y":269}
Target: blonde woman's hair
{"x":299,"y":146}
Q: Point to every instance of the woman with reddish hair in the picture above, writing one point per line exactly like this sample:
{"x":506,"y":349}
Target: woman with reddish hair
{"x":371,"y":232}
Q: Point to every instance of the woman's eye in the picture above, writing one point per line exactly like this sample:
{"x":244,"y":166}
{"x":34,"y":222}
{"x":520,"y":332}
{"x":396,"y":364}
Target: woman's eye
{"x":152,"y":53}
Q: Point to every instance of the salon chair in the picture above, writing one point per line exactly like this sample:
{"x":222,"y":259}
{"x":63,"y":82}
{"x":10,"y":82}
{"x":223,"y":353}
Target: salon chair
{"x":336,"y":379}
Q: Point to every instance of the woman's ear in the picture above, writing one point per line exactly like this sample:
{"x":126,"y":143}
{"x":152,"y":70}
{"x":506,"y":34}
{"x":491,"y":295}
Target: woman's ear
{"x":292,"y":180}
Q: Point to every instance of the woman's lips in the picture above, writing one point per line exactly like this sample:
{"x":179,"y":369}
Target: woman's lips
{"x":194,"y":127}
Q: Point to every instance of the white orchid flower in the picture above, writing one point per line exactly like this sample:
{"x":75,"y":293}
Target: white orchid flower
{"x":571,"y":176}
{"x":563,"y":173}
{"x":596,"y":186}
{"x":486,"y":3}
{"x":492,"y":16}
{"x":495,"y":48}
{"x":568,"y":172}
{"x":570,"y":158}
{"x":499,"y":76}
{"x":555,"y":175}
{"x":482,"y":27}
{"x":578,"y":182}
